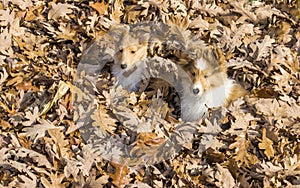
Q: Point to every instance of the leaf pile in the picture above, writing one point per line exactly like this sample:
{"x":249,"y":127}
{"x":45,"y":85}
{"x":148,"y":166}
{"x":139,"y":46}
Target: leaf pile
{"x":252,"y":143}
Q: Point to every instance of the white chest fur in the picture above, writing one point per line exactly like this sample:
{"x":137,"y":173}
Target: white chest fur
{"x":130,"y":78}
{"x":195,"y":107}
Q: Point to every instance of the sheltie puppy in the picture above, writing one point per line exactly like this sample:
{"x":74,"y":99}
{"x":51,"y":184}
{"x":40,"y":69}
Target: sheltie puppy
{"x":130,"y":59}
{"x":207,"y":85}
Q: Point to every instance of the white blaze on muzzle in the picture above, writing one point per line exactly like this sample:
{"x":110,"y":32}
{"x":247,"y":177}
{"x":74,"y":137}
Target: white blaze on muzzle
{"x":197,"y":89}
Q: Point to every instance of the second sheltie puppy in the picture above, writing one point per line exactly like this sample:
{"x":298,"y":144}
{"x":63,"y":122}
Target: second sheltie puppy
{"x":129,"y":59}
{"x":208,"y":85}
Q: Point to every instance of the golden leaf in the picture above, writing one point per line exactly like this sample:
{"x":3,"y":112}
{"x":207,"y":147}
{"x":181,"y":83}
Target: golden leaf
{"x":120,"y":177}
{"x":266,"y":144}
{"x":61,"y":91}
{"x":101,"y":8}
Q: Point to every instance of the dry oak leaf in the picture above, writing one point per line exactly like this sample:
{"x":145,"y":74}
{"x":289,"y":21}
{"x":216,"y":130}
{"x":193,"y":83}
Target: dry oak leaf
{"x":59,"y":10}
{"x":22,"y":4}
{"x":56,"y":181}
{"x":209,"y":139}
{"x":283,"y":33}
{"x":120,"y":177}
{"x":5,"y":41}
{"x":40,"y":159}
{"x":241,"y":149}
{"x":31,"y":116}
{"x":15,"y":28}
{"x":62,"y":144}
{"x":73,"y":167}
{"x":117,"y":11}
{"x":278,"y":108}
{"x":66,"y":33}
{"x":224,"y":177}
{"x":261,"y":49}
{"x":149,"y":139}
{"x":211,"y":9}
{"x":101,"y":8}
{"x":39,"y":130}
{"x":239,"y":7}
{"x":27,"y":86}
{"x":6,"y":17}
{"x":61,"y":91}
{"x":103,"y":120}
{"x":3,"y":75}
{"x":266,"y":144}
{"x":269,"y":169}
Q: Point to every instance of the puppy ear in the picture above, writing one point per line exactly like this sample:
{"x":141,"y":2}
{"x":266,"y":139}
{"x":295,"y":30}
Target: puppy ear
{"x":214,"y":55}
{"x":143,"y":38}
{"x":219,"y":55}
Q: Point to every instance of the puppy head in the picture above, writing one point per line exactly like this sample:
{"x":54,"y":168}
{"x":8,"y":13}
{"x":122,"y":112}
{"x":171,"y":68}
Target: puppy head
{"x":205,"y":70}
{"x":131,"y":49}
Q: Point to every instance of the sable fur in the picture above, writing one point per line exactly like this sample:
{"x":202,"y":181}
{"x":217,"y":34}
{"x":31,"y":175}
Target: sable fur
{"x":131,"y":51}
{"x":207,"y":74}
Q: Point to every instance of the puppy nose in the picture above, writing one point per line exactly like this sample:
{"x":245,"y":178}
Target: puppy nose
{"x":123,"y":66}
{"x":196,"y":91}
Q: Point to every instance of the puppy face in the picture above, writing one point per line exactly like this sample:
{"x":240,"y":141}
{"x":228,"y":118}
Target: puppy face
{"x":196,"y":76}
{"x":131,"y":49}
{"x":204,"y":70}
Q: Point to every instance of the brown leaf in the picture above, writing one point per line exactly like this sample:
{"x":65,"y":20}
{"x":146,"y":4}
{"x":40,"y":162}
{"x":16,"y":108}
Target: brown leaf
{"x":224,"y":177}
{"x":120,"y":177}
{"x":5,"y":41}
{"x":40,"y":159}
{"x":3,"y":75}
{"x":149,"y":139}
{"x":101,"y":8}
{"x":61,"y":143}
{"x":262,"y":49}
{"x":61,"y":91}
{"x":245,"y":12}
{"x":31,"y":116}
{"x":266,"y":144}
{"x":39,"y":130}
{"x":103,"y":120}
{"x":59,"y":10}
{"x":265,"y":93}
{"x":242,"y":155}
{"x":27,"y":86}
{"x":283,"y":33}
{"x":22,"y":4}
{"x":56,"y":180}
{"x":6,"y":17}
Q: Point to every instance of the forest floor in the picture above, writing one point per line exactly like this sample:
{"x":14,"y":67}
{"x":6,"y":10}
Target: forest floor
{"x":139,"y":138}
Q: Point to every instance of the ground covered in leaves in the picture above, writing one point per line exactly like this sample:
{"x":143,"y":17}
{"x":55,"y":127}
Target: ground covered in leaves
{"x":255,"y":143}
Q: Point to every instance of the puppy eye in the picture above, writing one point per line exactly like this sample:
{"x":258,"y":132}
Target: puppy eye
{"x":121,"y":50}
{"x":205,"y":76}
{"x":193,"y":74}
{"x":132,"y":51}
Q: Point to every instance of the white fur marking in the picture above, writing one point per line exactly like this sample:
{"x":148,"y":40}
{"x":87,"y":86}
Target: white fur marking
{"x":199,"y":86}
{"x":195,"y":107}
{"x":201,"y":65}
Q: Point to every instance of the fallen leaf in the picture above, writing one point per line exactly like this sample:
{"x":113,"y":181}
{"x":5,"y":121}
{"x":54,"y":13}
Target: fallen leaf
{"x":59,"y":10}
{"x":27,"y":86}
{"x":120,"y":176}
{"x":266,"y":144}
{"x":61,"y":91}
{"x":224,"y":177}
{"x":101,"y":8}
{"x":39,"y":130}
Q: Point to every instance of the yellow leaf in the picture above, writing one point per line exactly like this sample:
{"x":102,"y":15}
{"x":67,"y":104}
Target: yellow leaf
{"x":101,"y":8}
{"x":266,"y":144}
{"x":103,"y":121}
{"x":120,"y":177}
{"x":61,"y":91}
